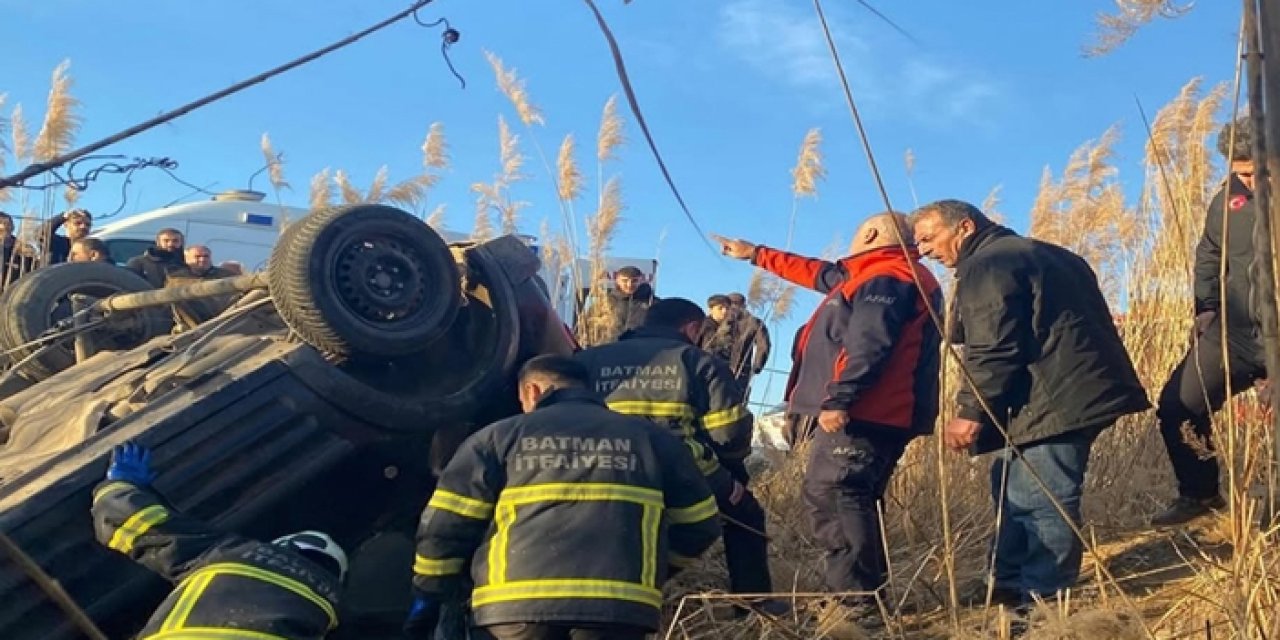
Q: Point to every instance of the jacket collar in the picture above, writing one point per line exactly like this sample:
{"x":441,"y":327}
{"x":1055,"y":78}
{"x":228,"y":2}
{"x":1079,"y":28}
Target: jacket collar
{"x":569,"y":395}
{"x":981,"y":238}
{"x":654,"y":332}
{"x":1236,"y":188}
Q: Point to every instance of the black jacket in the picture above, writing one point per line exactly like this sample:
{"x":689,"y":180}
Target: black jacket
{"x":741,"y":340}
{"x":657,"y":374}
{"x":1040,"y":341}
{"x":1241,"y":212}
{"x":569,"y":514}
{"x":56,"y":248}
{"x":627,"y":311}
{"x":226,"y":582}
{"x":14,"y":265}
{"x":155,"y":265}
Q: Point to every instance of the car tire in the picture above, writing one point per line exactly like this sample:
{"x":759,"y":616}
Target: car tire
{"x":37,"y":301}
{"x":364,"y":281}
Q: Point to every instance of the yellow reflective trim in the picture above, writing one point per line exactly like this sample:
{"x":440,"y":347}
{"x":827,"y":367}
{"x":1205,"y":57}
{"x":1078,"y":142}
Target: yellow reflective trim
{"x":649,"y":529}
{"x":193,"y":587}
{"x":723,"y":418}
{"x":138,"y":524}
{"x":506,"y":516}
{"x":679,"y":561}
{"x":108,"y":488}
{"x":424,"y":566}
{"x":694,"y":513}
{"x":201,"y":633}
{"x":460,"y":504}
{"x":649,"y":408}
{"x":580,"y":491}
{"x":248,"y":571}
{"x":566,"y":589}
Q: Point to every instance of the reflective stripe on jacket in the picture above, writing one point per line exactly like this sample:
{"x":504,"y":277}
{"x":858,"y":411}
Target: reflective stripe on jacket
{"x":572,"y":513}
{"x":657,"y":374}
{"x":228,"y":586}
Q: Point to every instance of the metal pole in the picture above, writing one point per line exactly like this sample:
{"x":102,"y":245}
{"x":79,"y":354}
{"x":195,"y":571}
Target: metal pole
{"x":1263,"y":76}
{"x":84,"y":349}
{"x":182,"y":293}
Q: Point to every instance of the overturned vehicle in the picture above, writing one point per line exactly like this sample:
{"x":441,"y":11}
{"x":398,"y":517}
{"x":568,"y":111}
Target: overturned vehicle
{"x":324,"y":397}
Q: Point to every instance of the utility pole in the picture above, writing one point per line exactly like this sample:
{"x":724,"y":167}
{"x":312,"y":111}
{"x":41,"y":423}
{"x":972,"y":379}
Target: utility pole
{"x":1262,"y":58}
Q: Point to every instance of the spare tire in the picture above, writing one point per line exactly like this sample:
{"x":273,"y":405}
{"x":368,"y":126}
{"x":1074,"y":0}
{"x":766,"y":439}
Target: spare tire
{"x":37,"y":301}
{"x":364,"y":281}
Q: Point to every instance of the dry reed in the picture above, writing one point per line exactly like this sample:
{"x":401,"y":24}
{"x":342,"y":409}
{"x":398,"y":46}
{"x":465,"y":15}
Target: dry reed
{"x":377,"y":188}
{"x":435,"y":150}
{"x":61,"y":121}
{"x":275,"y":165}
{"x":805,"y":176}
{"x":514,"y":88}
{"x":594,"y":323}
{"x":570,"y":177}
{"x":610,"y":137}
{"x":349,"y":193}
{"x":1114,"y":29}
{"x":1221,"y":573}
{"x":21,"y":135}
{"x":321,"y":192}
{"x":436,"y":219}
{"x":4,"y":144}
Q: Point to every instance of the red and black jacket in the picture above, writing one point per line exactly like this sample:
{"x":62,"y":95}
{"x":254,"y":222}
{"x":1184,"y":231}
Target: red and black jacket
{"x":870,"y":348}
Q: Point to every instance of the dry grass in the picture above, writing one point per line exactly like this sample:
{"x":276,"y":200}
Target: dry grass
{"x":514,"y":88}
{"x":21,"y":135}
{"x":435,"y":219}
{"x":275,"y":165}
{"x":4,"y":144}
{"x":1222,"y":573}
{"x":593,"y":324}
{"x":610,"y":137}
{"x":570,"y":182}
{"x":61,"y":120}
{"x":321,"y":192}
{"x":1114,"y":29}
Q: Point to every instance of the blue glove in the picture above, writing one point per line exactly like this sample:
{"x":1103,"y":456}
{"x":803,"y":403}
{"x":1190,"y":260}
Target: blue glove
{"x":131,"y":462}
{"x":423,"y":618}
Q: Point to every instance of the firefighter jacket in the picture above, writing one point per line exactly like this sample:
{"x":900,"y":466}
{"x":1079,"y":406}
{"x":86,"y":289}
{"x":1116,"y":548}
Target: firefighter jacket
{"x":571,"y":513}
{"x":657,"y":374}
{"x":871,"y":347}
{"x":228,"y":586}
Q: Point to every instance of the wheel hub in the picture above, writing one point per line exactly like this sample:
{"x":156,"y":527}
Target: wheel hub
{"x":380,"y":280}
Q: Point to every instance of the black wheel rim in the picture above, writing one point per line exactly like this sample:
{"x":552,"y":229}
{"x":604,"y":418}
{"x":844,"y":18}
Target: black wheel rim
{"x":381,"y":280}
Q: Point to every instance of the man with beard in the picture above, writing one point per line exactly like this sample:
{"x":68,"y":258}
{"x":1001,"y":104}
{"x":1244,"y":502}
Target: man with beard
{"x":161,"y":259}
{"x":58,"y":248}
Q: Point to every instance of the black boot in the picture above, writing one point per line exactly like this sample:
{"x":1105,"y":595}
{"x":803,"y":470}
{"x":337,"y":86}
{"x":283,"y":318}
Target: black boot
{"x":1185,"y":509}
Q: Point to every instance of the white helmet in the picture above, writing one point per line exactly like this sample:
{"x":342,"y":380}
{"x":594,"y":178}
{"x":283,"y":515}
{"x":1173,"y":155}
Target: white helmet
{"x":311,"y":543}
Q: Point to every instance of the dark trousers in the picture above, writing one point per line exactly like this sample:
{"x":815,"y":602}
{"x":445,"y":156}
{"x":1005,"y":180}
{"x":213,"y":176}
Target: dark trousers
{"x":540,"y":631}
{"x":1197,"y":388}
{"x":798,"y":429}
{"x":1035,"y":549}
{"x":847,"y":476}
{"x":746,"y":550}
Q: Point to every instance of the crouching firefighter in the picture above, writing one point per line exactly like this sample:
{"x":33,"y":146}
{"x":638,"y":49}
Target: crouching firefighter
{"x":228,"y":586}
{"x":569,"y":519}
{"x":657,"y":373}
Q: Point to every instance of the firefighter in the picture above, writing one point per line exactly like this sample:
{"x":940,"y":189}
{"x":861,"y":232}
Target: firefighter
{"x":228,"y":586}
{"x":570,"y":518}
{"x":656,"y":372}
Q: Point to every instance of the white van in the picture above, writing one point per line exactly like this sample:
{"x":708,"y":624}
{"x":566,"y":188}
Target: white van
{"x":238,"y":225}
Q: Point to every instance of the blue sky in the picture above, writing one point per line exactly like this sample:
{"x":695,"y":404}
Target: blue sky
{"x":990,"y":94}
